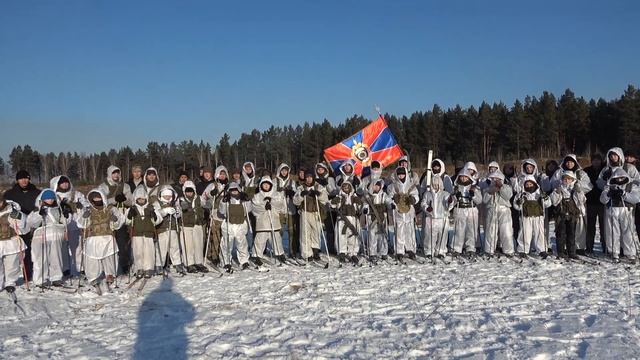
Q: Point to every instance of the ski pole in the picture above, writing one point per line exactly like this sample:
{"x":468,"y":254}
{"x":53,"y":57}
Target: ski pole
{"x":22,"y":266}
{"x":322,"y":235}
{"x":115,"y":262}
{"x":273,"y":236}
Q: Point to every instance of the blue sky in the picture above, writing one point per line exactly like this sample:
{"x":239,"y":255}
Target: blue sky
{"x":92,"y":75}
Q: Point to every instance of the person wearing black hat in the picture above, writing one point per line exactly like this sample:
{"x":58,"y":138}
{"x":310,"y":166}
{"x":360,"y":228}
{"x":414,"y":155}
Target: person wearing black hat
{"x":24,"y":193}
{"x":309,"y":197}
{"x":375,"y":173}
{"x":183,"y":177}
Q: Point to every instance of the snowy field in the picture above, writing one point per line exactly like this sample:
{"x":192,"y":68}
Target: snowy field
{"x":539,"y":310}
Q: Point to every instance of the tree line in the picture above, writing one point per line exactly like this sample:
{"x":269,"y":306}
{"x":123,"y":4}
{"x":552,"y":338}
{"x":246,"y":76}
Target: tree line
{"x":539,"y":127}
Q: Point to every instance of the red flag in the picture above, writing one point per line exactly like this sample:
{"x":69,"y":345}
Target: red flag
{"x":374,"y":142}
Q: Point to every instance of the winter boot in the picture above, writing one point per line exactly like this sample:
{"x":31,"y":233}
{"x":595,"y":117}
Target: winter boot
{"x":148,"y":274}
{"x":281,"y":258}
{"x":411,"y":255}
{"x":245,"y":266}
{"x":192,"y":269}
{"x":180,"y":269}
{"x":201,"y":268}
{"x":342,"y":258}
{"x":543,"y":255}
{"x":354,"y":259}
{"x":228,"y":269}
{"x":139,"y":274}
{"x":57,"y":283}
{"x":110,"y":279}
{"x":10,"y":289}
{"x":257,"y":261}
{"x":316,"y":254}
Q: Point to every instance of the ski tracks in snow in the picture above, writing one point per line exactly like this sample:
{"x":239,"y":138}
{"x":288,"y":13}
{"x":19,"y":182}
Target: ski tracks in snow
{"x":475,"y":310}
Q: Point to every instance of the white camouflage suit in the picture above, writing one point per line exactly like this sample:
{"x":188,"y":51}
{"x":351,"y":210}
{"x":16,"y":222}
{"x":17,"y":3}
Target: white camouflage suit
{"x":71,"y":249}
{"x":192,"y":234}
{"x":348,"y":208}
{"x":11,"y":245}
{"x":497,"y":199}
{"x":47,"y":243}
{"x":145,"y":255}
{"x":100,"y":250}
{"x":378,"y":223}
{"x":532,"y":226}
{"x":435,"y":204}
{"x":404,"y":194}
{"x":170,"y":214}
{"x":465,"y":199}
{"x":235,"y":228}
{"x":268,"y":221}
{"x":311,"y":224}
{"x":619,"y":222}
{"x":584,"y":183}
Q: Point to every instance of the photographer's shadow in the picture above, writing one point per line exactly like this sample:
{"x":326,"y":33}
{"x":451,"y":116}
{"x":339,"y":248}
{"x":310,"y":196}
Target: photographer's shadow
{"x":162,"y":319}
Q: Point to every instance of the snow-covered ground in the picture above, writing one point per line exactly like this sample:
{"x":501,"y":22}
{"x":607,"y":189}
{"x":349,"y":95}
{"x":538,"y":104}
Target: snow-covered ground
{"x":477,"y":310}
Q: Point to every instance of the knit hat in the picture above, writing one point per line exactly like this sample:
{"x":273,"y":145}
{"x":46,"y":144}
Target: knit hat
{"x":309,"y":173}
{"x":23,"y":174}
{"x":48,"y":195}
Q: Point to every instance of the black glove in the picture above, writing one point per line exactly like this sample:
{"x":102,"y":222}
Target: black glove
{"x":267,"y":206}
{"x":86,"y":214}
{"x":335,"y":201}
{"x":458,"y":194}
{"x":184,"y":205}
{"x":226,"y":198}
{"x":43,"y":211}
{"x":412,"y":200}
{"x":154,"y":217}
{"x":606,"y":175}
{"x":365,"y":211}
{"x":16,"y":214}
{"x":244,"y":196}
{"x":64,"y":201}
{"x":267,"y":199}
{"x":113,"y":218}
{"x":471,"y":193}
{"x":289,"y":192}
{"x":315,"y":193}
{"x":616,"y":193}
{"x":132,"y":213}
{"x":120,"y":198}
{"x":429,"y":208}
{"x":66,"y":209}
{"x":304,"y":192}
{"x":214,"y":191}
{"x":393,"y":206}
